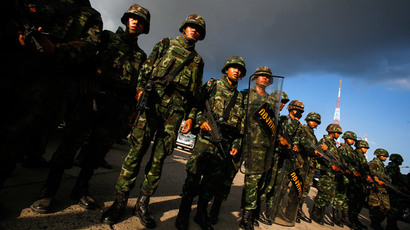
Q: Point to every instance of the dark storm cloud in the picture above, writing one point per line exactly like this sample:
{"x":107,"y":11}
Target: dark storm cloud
{"x":362,"y":39}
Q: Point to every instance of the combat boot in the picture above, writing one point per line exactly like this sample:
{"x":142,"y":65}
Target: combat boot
{"x":181,"y":223}
{"x":316,"y":215}
{"x":325,"y":220}
{"x":302,"y":215}
{"x":201,"y":217}
{"x":345,"y":218}
{"x":114,"y":213}
{"x":43,"y":204}
{"x":143,"y":211}
{"x":376,"y":225}
{"x":337,"y":218}
{"x":215,"y":209}
{"x":246,"y":222}
{"x":391,"y":223}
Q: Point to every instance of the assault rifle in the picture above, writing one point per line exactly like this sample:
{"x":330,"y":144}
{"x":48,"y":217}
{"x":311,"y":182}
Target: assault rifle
{"x":31,"y":32}
{"x":142,"y":102}
{"x":215,"y":131}
{"x":391,"y":186}
{"x":328,"y":156}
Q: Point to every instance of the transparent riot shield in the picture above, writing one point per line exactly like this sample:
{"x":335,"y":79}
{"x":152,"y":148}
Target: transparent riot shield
{"x":288,"y":189}
{"x":262,"y":109}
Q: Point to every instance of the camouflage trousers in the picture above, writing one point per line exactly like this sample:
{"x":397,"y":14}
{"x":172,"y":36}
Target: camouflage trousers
{"x":340,"y":199}
{"x":326,"y":190}
{"x":308,"y":183}
{"x":379,"y":204}
{"x":162,"y":122}
{"x":356,"y":195}
{"x":269,"y":183}
{"x":230,"y":168}
{"x":204,"y":171}
{"x":252,"y":189}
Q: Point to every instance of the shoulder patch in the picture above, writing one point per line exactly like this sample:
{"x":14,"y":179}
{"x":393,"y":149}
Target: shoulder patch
{"x":208,"y":82}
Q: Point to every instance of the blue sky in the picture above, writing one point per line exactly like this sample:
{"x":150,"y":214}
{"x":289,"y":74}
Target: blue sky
{"x":312,"y":43}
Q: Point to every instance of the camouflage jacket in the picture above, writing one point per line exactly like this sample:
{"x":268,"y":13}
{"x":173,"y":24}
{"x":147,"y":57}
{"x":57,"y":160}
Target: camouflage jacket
{"x":304,"y":134}
{"x":377,"y":169}
{"x":74,"y":29}
{"x":219,"y":93}
{"x":393,"y":170}
{"x":119,"y":62}
{"x":289,"y":126}
{"x":326,"y":166}
{"x":183,"y":91}
{"x":348,"y":154}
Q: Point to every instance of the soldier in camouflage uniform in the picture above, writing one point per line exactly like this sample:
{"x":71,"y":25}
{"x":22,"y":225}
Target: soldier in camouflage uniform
{"x":74,"y":34}
{"x":262,"y":143}
{"x":357,"y":188}
{"x":339,"y":204}
{"x":207,"y":166}
{"x":170,"y":101}
{"x":379,"y":202}
{"x":327,"y":182}
{"x":306,"y":136}
{"x":397,"y":202}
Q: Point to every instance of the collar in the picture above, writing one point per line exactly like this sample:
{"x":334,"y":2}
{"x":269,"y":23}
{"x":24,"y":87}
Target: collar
{"x":224,"y":80}
{"x":185,"y":43}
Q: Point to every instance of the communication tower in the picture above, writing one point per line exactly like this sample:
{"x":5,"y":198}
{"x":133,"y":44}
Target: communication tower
{"x":336,"y":117}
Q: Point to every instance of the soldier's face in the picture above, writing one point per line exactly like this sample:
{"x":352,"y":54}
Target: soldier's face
{"x":382,"y":158}
{"x":312,"y":124}
{"x":364,"y":150}
{"x":234,"y":73}
{"x":192,"y":32}
{"x":263,"y":80}
{"x":135,"y":26}
{"x":337,"y":135}
{"x":350,"y":141}
{"x":282,"y":104}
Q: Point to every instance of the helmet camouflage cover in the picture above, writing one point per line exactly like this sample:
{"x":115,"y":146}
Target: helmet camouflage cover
{"x":396,"y":157}
{"x":295,"y":104}
{"x":283,"y":99}
{"x":381,"y":152}
{"x":197,"y":20}
{"x":140,"y":12}
{"x":235,"y":60}
{"x":350,"y":135}
{"x":262,"y":71}
{"x":361,"y":144}
{"x":334,"y":128}
{"x":313,"y":116}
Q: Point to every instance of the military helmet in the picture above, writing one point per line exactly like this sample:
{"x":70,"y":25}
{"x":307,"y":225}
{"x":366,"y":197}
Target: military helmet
{"x":349,"y":135}
{"x":313,"y":116}
{"x":334,"y":128}
{"x":396,"y":157}
{"x":197,"y":20}
{"x":235,"y":60}
{"x":361,"y":144}
{"x":139,"y":11}
{"x":295,"y":104}
{"x":284,"y":98}
{"x":263,"y":71}
{"x":381,"y":152}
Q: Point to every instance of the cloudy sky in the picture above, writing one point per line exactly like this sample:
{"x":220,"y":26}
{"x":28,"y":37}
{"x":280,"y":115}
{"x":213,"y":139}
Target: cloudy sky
{"x":313,"y":44}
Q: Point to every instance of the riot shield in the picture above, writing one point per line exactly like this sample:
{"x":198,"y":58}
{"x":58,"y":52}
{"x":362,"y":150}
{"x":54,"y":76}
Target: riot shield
{"x":262,"y":110}
{"x":288,"y":189}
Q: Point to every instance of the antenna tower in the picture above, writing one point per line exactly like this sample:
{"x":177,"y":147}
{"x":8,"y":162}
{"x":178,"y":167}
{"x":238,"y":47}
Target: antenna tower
{"x":336,"y":117}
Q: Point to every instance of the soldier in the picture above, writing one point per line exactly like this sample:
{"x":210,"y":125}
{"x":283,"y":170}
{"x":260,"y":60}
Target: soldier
{"x":379,"y":202}
{"x":257,"y":155}
{"x":74,"y":33}
{"x":208,"y":160}
{"x":397,"y":201}
{"x":339,"y":204}
{"x":306,"y":137}
{"x":357,"y":189}
{"x":174,"y":73}
{"x":327,"y":185}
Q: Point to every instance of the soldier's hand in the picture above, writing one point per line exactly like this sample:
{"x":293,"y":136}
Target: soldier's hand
{"x":357,"y":174}
{"x":335,"y":168}
{"x":205,"y":126}
{"x":369,"y":179}
{"x":187,"y":126}
{"x":283,"y":141}
{"x":379,"y":181}
{"x":317,"y":153}
{"x":295,"y":148}
{"x":233,"y":152}
{"x":138,"y":95}
{"x":324,"y":147}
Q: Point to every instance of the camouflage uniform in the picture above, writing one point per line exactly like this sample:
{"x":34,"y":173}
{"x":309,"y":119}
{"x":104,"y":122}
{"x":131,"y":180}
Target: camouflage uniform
{"x":327,"y":182}
{"x":379,"y":202}
{"x":306,"y":136}
{"x":397,"y":202}
{"x":75,"y":32}
{"x":357,"y":189}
